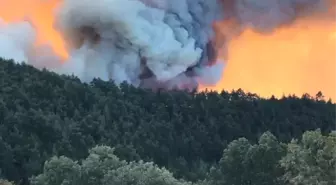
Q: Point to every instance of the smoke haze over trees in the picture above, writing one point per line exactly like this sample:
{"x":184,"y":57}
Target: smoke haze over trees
{"x":48,"y":122}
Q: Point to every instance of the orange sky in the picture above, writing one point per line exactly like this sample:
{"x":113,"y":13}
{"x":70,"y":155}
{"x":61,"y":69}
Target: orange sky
{"x":40,"y":13}
{"x":292,"y":60}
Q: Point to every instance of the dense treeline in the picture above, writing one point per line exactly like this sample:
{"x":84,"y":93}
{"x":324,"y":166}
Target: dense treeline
{"x":43,"y":114}
{"x":310,"y":161}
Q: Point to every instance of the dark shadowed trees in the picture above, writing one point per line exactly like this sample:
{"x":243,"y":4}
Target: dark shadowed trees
{"x":43,"y":114}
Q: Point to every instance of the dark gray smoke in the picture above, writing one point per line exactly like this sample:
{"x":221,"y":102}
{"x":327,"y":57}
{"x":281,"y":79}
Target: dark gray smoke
{"x":266,"y":15}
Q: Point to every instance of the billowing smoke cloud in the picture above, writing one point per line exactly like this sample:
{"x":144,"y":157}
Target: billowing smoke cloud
{"x":16,"y":40}
{"x":148,"y":43}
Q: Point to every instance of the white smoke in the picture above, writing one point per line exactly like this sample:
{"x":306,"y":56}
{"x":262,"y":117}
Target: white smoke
{"x":120,"y":40}
{"x":209,"y":75}
{"x":16,"y":40}
{"x":128,"y":30}
{"x":147,"y":43}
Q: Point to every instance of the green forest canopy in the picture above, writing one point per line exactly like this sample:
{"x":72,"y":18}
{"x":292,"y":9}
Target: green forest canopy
{"x":43,"y":114}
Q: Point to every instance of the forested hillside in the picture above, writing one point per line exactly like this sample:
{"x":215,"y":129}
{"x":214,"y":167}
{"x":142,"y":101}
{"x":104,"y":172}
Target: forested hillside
{"x":43,"y":114}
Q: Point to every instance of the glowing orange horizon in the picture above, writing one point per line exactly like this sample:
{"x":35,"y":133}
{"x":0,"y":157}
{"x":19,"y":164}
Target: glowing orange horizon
{"x":292,"y":60}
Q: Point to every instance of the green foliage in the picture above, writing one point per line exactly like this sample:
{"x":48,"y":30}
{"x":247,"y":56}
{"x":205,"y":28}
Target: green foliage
{"x":311,"y":161}
{"x":246,"y":164}
{"x":5,"y":182}
{"x":103,"y":167}
{"x":43,"y":114}
{"x":59,"y":170}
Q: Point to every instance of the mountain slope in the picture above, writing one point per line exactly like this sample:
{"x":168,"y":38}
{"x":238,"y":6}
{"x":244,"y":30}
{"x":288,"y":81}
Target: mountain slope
{"x":44,"y":114}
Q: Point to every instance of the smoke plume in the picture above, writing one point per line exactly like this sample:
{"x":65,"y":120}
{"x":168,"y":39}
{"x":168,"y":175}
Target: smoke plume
{"x":16,"y":39}
{"x":149,"y":43}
